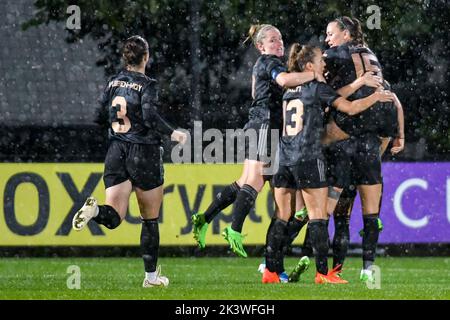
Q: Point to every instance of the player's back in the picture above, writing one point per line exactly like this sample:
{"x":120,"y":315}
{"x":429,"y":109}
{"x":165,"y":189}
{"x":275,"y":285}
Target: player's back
{"x":345,"y":64}
{"x":123,"y":97}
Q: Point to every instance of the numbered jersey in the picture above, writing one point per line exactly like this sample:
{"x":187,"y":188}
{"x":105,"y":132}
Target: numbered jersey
{"x":132,"y":101}
{"x":346,"y":63}
{"x":303,"y":122}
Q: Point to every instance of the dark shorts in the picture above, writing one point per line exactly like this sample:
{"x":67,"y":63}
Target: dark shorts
{"x":355,"y":161}
{"x":349,"y":192}
{"x":305,"y":175}
{"x":140,"y":163}
{"x":261,"y":142}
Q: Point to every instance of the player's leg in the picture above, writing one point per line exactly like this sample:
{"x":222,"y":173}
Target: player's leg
{"x":316,"y":202}
{"x":370,"y":200}
{"x":118,"y":189}
{"x":341,"y":216}
{"x":147,"y":176}
{"x":252,"y":181}
{"x":339,"y":200}
{"x":244,"y":202}
{"x":298,"y":220}
{"x":223,"y":199}
{"x":276,"y":236}
{"x":369,"y":180}
{"x":247,"y":195}
{"x":149,"y":205}
{"x":262,"y":265}
{"x":111,"y":213}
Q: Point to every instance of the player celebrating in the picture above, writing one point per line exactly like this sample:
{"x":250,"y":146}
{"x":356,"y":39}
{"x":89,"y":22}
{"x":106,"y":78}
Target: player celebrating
{"x":269,"y":77}
{"x":357,"y":161}
{"x":134,"y":158}
{"x":302,"y":162}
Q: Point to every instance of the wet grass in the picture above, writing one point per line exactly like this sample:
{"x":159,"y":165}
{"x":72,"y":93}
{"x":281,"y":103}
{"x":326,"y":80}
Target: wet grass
{"x":213,"y":278}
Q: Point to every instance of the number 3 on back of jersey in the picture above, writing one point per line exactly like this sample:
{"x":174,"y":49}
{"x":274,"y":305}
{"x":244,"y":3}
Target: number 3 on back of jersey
{"x":119,"y":121}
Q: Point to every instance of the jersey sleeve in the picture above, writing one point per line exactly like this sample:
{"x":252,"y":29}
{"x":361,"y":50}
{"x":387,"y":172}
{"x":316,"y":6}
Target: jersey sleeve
{"x":274,"y":67}
{"x":326,"y":94}
{"x":150,"y":106}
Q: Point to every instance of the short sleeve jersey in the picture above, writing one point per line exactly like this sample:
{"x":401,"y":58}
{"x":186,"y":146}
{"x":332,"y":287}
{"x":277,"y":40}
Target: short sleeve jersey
{"x":304,"y":120}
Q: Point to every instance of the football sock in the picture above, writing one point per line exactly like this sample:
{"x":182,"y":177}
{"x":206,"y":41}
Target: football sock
{"x":307,"y":245}
{"x":223,"y":199}
{"x":108,"y":217}
{"x":276,"y":237}
{"x":319,"y":238}
{"x":370,"y":238}
{"x":341,"y":239}
{"x":150,"y":243}
{"x":151,"y":276}
{"x":294,"y":227}
{"x":244,"y":202}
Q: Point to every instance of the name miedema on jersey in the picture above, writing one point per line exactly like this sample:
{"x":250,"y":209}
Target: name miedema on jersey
{"x":124,"y":84}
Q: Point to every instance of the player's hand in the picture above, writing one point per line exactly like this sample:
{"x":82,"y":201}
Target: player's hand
{"x":179,"y":136}
{"x":385,"y":95}
{"x":398,"y":145}
{"x":371,"y":80}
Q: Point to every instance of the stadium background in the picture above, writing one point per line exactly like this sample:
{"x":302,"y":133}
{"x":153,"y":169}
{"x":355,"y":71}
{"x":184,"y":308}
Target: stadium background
{"x":53,"y":141}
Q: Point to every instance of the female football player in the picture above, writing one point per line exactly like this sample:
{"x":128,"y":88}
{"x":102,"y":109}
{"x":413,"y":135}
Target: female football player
{"x":134,"y":158}
{"x":269,"y":77}
{"x":357,"y":161}
{"x":302,"y":162}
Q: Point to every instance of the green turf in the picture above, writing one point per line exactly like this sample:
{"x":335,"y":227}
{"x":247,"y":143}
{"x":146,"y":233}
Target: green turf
{"x":215,"y":278}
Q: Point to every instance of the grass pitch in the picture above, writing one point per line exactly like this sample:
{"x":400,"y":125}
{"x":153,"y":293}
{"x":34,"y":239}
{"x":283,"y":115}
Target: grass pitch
{"x":214,"y":278}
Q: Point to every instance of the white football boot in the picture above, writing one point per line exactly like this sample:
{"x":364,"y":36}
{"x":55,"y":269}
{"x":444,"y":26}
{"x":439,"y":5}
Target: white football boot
{"x":86,"y":213}
{"x":159,"y":281}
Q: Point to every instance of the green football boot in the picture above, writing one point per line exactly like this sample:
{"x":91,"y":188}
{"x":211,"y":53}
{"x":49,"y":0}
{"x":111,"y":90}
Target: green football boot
{"x":300,"y":268}
{"x":301,"y":214}
{"x":234,"y":239}
{"x":200,"y":228}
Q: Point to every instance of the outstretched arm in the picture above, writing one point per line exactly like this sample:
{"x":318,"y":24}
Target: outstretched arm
{"x":293,"y":79}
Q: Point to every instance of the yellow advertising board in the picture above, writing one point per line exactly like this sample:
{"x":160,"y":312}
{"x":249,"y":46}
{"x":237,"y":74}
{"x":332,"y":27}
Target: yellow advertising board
{"x":38,"y":202}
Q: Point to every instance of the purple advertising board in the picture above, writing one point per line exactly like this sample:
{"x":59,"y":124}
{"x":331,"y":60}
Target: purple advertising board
{"x":415,"y":206}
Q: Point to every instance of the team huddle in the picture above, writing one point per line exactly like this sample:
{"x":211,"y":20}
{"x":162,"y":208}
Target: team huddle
{"x":336,"y":117}
{"x":327,"y":143}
